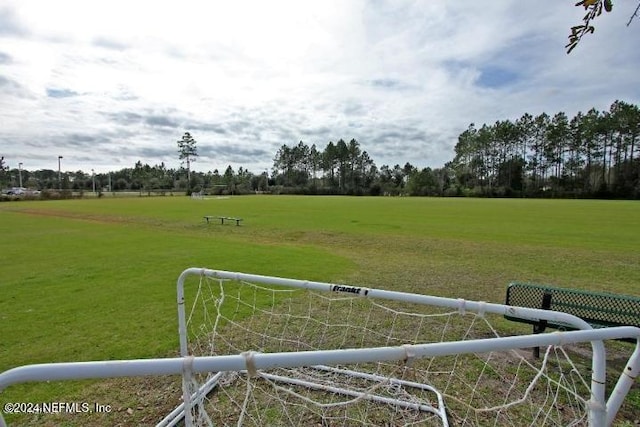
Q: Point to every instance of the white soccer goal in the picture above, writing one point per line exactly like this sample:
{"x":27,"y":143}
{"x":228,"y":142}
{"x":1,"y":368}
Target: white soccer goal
{"x":347,"y":355}
{"x":258,"y":350}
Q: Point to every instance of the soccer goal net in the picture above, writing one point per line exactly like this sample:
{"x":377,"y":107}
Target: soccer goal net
{"x":328,"y":354}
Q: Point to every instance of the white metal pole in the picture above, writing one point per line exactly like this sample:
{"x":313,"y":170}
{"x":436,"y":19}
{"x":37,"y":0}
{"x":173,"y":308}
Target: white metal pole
{"x":59,"y":173}
{"x":263,"y":361}
{"x":143,"y":367}
{"x":626,"y":380}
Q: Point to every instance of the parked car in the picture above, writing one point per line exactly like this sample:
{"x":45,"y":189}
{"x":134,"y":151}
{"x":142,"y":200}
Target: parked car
{"x":16,"y":191}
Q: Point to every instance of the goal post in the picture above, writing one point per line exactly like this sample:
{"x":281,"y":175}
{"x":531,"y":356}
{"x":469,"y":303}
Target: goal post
{"x":262,"y":350}
{"x":231,"y":313}
{"x":220,"y":364}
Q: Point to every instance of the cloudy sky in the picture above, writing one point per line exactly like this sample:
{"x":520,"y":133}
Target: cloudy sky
{"x":107,"y":83}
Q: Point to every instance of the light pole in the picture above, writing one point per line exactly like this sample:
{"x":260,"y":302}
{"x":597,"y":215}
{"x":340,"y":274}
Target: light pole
{"x":20,"y":173}
{"x":59,"y":175}
{"x":93,"y":176}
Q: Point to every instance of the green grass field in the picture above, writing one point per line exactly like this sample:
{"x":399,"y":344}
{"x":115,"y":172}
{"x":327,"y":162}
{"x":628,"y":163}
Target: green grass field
{"x":95,"y":279}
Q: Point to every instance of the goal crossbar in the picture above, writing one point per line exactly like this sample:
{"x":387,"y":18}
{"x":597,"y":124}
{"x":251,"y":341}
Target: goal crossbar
{"x":266,"y":361}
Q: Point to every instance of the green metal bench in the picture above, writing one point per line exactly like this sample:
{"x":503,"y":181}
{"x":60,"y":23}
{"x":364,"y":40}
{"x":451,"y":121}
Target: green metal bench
{"x":599,"y":309}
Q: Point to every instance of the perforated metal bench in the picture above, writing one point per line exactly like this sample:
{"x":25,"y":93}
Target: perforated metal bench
{"x":599,"y":309}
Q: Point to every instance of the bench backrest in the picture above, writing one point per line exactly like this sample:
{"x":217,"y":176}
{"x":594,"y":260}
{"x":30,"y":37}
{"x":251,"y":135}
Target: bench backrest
{"x":599,"y":309}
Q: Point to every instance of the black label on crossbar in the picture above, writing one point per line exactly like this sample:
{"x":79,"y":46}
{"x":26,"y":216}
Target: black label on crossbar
{"x":349,"y":289}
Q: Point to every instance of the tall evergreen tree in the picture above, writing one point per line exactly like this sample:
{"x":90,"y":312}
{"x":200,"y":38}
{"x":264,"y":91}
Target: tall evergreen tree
{"x":188,"y":152}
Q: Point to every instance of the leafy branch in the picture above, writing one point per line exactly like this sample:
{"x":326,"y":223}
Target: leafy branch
{"x":635,"y":15}
{"x":594,"y":9}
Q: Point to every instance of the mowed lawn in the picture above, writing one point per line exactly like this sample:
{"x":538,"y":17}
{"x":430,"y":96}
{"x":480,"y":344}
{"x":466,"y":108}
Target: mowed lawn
{"x":95,"y":279}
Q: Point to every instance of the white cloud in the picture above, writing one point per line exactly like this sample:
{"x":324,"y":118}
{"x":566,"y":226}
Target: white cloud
{"x":108,"y":83}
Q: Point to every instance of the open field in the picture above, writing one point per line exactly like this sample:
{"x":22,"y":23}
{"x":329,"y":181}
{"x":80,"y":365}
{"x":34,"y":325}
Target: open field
{"x":95,"y":279}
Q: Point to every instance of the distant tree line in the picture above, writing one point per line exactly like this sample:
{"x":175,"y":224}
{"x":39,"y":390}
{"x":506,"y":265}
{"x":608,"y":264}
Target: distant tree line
{"x":142,"y":178}
{"x":341,"y":168}
{"x":590,"y":155}
{"x":344,"y":168}
{"x":594,"y":154}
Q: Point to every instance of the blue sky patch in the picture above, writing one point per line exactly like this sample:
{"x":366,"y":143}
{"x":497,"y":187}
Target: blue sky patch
{"x":60,"y":93}
{"x":4,"y":58}
{"x":496,"y":77}
{"x":390,"y":83}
